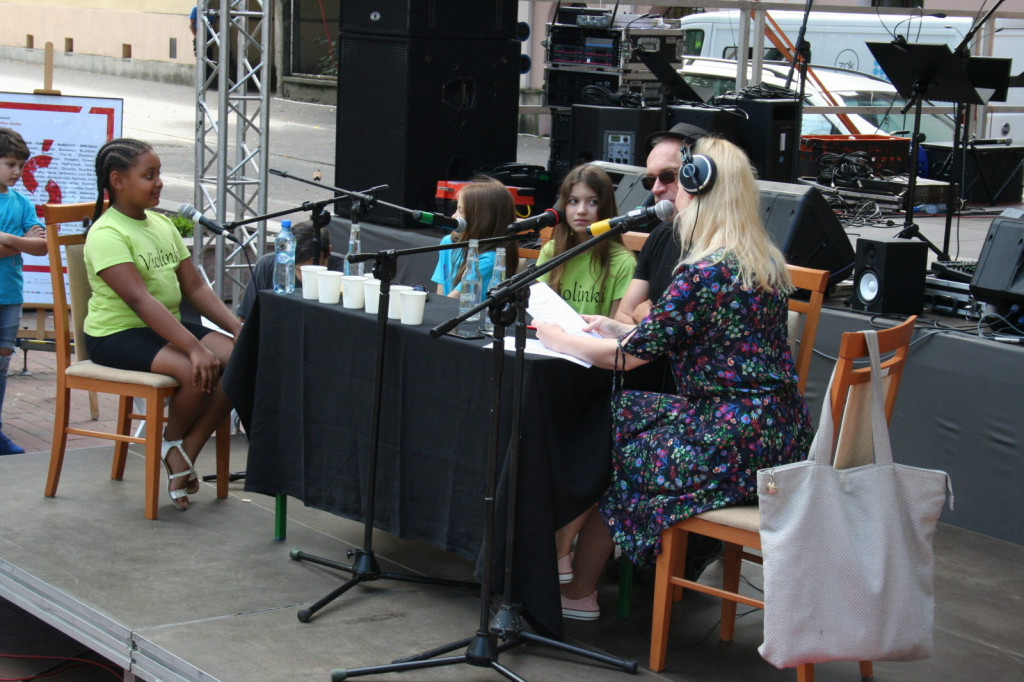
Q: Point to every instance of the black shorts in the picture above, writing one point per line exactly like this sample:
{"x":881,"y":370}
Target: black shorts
{"x":133,"y":349}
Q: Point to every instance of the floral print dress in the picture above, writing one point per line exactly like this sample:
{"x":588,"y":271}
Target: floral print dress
{"x":738,"y":408}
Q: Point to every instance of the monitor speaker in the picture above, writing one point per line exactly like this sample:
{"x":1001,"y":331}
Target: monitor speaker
{"x":805,"y":229}
{"x":999,"y":275}
{"x":628,"y":183}
{"x":412,"y":111}
{"x":479,"y":19}
{"x":889,"y":276}
{"x":613,"y":134}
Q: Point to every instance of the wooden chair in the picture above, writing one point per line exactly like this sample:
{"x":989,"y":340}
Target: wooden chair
{"x":804,"y":317}
{"x":803,"y":329}
{"x":634,"y":241}
{"x":739,"y":526}
{"x":87,"y":376}
{"x":533,"y":254}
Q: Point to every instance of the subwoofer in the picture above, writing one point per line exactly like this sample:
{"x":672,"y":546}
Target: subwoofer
{"x":412,"y":111}
{"x":889,"y":277}
{"x":805,"y":229}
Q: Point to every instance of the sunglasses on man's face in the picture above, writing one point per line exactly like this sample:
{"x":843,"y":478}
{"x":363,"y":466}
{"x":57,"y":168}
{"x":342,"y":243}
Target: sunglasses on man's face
{"x":667,"y":177}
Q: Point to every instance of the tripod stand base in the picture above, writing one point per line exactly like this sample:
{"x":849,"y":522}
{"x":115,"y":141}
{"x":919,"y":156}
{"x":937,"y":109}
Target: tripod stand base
{"x":364,"y":569}
{"x":483,"y":651}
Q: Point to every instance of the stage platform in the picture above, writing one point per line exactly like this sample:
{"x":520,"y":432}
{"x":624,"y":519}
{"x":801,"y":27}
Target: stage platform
{"x":210,"y":595}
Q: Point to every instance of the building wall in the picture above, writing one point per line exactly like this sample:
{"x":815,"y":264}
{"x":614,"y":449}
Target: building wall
{"x":101,"y":27}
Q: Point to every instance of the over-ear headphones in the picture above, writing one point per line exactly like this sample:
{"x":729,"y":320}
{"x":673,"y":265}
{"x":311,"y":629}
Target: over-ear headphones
{"x":697,"y":174}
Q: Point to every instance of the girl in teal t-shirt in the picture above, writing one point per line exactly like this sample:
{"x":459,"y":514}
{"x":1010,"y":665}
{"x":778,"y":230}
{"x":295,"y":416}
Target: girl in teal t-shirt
{"x":139,"y":271}
{"x":487,"y":207}
{"x":594,"y":281}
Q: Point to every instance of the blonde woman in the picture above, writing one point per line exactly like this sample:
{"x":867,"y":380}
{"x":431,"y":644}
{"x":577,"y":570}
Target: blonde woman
{"x":722,"y":325}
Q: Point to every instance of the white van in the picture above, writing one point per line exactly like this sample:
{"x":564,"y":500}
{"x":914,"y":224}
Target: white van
{"x":836,"y":39}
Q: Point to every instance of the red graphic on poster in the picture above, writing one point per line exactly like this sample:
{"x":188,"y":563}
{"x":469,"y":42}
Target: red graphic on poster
{"x":28,"y":177}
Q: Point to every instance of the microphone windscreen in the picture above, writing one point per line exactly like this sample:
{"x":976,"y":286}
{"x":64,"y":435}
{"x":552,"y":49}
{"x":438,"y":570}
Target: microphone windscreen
{"x":665,"y":210}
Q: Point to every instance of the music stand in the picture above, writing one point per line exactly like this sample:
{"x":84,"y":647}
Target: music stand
{"x":918,"y":70}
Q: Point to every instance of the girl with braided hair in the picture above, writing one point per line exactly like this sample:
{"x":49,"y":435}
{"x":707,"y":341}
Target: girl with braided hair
{"x":139,"y":271}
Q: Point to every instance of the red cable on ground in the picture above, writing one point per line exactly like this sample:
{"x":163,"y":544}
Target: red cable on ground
{"x":80,"y":661}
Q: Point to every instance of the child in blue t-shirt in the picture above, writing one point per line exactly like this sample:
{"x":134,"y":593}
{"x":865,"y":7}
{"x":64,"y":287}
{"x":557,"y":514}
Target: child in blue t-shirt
{"x":487,"y":207}
{"x":20,"y":232}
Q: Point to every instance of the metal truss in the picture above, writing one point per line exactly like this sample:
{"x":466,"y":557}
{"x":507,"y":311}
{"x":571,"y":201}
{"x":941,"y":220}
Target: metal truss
{"x":232,"y":129}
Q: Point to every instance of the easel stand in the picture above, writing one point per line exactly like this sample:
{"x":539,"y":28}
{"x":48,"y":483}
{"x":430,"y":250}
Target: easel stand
{"x":364,"y":566}
{"x":504,"y":303}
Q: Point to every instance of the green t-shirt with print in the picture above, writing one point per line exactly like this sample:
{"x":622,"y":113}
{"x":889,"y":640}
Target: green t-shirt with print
{"x":155,"y":248}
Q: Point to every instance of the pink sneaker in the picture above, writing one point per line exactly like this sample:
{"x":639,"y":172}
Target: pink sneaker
{"x":565,"y":568}
{"x":581,"y":609}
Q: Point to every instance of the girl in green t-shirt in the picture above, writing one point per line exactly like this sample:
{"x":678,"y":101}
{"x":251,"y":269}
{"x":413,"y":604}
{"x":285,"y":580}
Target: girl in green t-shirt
{"x":139,"y":271}
{"x":594,"y":281}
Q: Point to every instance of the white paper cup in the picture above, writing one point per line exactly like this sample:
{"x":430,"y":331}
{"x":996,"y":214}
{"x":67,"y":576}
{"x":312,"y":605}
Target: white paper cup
{"x":412,"y":306}
{"x":371,"y":295}
{"x":395,"y":300}
{"x":352,"y":290}
{"x":309,"y":281}
{"x":329,"y":283}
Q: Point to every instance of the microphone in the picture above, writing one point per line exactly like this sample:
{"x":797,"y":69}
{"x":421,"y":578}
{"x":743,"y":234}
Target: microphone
{"x":664,"y":210}
{"x":189,"y":211}
{"x":546,"y":219}
{"x":456,"y":224}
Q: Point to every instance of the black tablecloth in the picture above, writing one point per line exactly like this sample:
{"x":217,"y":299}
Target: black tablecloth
{"x":301,"y":378}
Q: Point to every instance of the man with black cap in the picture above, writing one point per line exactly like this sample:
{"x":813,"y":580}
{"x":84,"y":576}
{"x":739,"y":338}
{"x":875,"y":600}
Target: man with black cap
{"x":657,"y":260}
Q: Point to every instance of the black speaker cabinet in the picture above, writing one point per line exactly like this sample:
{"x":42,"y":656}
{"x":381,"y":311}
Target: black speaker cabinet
{"x":999,"y":276}
{"x":413,"y":111}
{"x":613,"y":134}
{"x":889,"y":277}
{"x":768,"y":135}
{"x":721,"y":122}
{"x":478,"y":19}
{"x":805,"y":229}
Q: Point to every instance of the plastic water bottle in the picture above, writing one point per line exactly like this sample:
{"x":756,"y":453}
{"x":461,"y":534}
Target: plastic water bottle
{"x":471,"y":286}
{"x":497,"y":277}
{"x":284,"y":259}
{"x":354,"y":246}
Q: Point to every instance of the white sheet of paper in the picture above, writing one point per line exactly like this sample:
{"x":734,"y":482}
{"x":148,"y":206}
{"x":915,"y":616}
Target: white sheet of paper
{"x":535,"y":347}
{"x":548,"y":306}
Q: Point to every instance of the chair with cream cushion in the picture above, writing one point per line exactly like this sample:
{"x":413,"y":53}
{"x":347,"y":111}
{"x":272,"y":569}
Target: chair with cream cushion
{"x":84,"y":375}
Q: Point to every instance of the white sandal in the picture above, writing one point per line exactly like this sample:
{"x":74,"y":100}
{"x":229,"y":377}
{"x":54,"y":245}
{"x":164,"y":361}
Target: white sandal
{"x":176,"y":495}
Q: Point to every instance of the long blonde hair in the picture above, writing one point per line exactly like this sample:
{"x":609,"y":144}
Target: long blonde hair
{"x":728,"y":217}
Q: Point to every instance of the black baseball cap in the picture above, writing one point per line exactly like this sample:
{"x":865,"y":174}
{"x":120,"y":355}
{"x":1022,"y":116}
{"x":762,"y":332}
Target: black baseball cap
{"x":684,"y":132}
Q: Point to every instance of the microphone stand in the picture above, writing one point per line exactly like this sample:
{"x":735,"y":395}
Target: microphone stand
{"x":504,"y":303}
{"x":364,"y":566}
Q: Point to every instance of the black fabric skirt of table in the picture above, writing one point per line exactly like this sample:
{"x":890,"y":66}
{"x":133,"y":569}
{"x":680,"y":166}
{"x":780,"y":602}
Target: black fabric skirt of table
{"x":301,"y":378}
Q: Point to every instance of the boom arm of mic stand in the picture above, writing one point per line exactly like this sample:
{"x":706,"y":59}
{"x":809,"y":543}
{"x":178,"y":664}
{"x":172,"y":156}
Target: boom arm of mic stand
{"x":391,"y":254}
{"x":368,"y":198}
{"x":522,"y":279}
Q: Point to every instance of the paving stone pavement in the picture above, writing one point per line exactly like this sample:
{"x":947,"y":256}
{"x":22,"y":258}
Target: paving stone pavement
{"x":29,"y":404}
